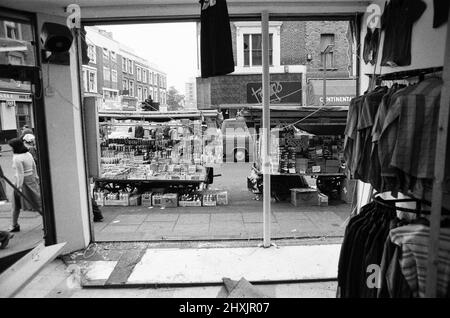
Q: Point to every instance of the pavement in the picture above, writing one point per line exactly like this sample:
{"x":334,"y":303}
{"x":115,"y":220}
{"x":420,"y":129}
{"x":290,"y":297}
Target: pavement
{"x":31,"y":225}
{"x":241,"y":219}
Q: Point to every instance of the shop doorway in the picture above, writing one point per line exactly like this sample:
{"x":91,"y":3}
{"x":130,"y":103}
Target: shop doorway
{"x":26,"y":214}
{"x":146,"y":195}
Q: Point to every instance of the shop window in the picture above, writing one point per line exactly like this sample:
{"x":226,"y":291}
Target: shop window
{"x":23,"y":114}
{"x":106,"y":74}
{"x":91,"y":54}
{"x":114,"y":76}
{"x":325,"y":41}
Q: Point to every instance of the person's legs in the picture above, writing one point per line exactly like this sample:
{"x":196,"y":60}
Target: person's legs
{"x":16,"y":206}
{"x":4,"y":239}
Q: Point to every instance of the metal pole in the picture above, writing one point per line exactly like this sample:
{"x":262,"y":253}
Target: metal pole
{"x":439,"y":174}
{"x":324,"y":79}
{"x":266,"y":127}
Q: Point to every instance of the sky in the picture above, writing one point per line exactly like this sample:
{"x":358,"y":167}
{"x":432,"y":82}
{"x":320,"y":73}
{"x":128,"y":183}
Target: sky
{"x":171,"y":46}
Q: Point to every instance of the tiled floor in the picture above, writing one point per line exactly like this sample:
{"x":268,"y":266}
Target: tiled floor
{"x":57,"y":281}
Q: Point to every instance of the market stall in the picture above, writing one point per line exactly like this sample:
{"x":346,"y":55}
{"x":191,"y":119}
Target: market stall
{"x":150,"y":158}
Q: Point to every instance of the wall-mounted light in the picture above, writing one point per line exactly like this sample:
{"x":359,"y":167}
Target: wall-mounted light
{"x":309,"y":57}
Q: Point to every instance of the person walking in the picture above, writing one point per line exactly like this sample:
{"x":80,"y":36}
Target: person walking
{"x":26,"y":180}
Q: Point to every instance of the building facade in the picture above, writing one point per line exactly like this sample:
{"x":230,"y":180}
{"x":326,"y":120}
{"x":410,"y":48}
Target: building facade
{"x":15,"y":97}
{"x":190,"y":97}
{"x":119,"y":75}
{"x":296,"y":67}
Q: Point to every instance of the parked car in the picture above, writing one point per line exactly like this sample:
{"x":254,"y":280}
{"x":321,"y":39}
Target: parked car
{"x":238,"y":142}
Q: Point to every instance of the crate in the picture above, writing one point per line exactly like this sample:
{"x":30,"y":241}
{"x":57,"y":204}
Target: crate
{"x":123,"y":202}
{"x":146,"y":199}
{"x":304,"y":197}
{"x":190,"y":203}
{"x":134,"y":200}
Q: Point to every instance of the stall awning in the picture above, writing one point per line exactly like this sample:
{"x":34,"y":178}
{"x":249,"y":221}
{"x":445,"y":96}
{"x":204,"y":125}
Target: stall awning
{"x":339,"y":92}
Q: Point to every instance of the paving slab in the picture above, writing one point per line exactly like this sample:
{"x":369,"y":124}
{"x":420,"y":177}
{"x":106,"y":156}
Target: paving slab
{"x":186,"y":266}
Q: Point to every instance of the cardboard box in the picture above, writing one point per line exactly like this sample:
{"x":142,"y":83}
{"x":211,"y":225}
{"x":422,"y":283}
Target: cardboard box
{"x":332,"y":166}
{"x":169,"y":200}
{"x":190,"y":203}
{"x":222,"y":197}
{"x":134,"y":200}
{"x":323,"y":199}
{"x":146,"y":199}
{"x":301,"y":165}
{"x":157,"y":199}
{"x":304,"y":197}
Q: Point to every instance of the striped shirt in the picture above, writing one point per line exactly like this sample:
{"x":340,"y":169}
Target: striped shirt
{"x":414,"y":241}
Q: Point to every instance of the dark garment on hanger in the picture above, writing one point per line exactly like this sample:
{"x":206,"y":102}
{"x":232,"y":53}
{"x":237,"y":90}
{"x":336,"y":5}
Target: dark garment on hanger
{"x":344,"y":257}
{"x":351,"y":152}
{"x":371,"y":44}
{"x":441,"y":9}
{"x":215,"y":39}
{"x":397,"y":21}
{"x":366,"y":120}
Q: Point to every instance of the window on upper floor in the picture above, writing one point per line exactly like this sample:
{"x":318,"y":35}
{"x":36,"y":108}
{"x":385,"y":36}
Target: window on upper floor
{"x":12,"y":30}
{"x":327,"y":41}
{"x":125,"y":85}
{"x":106,"y":73}
{"x":91,"y":54}
{"x":139,"y":74}
{"x":249,"y":45}
{"x":113,"y":56}
{"x":90,"y":80}
{"x":253,"y":49}
{"x":144,"y":76}
{"x":114,"y":76}
{"x":131,"y":88}
{"x":124,"y":65}
{"x":105,"y":53}
{"x":130,"y":67}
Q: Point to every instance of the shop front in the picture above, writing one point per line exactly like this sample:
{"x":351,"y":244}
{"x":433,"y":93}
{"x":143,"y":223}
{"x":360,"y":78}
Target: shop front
{"x":62,"y":128}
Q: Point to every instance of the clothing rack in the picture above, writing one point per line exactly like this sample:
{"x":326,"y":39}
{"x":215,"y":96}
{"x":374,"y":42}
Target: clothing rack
{"x":421,"y":72}
{"x":388,"y":203}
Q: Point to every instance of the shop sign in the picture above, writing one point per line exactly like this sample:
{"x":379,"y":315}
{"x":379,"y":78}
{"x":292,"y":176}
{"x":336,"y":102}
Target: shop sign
{"x":15,"y":97}
{"x":280,"y":93}
{"x":334,"y":100}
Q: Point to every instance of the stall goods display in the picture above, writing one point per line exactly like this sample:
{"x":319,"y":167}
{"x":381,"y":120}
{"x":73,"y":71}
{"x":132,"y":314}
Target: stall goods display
{"x":300,"y":154}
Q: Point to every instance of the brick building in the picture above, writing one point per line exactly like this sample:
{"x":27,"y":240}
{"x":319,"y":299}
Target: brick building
{"x":123,"y":78}
{"x":296,"y":68}
{"x":15,"y":98}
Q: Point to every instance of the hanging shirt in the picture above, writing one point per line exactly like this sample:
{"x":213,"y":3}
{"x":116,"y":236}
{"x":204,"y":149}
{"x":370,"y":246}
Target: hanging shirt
{"x":397,"y":23}
{"x":351,"y":153}
{"x":414,"y":241}
{"x":371,"y":43}
{"x":216,"y":48}
{"x":441,"y":8}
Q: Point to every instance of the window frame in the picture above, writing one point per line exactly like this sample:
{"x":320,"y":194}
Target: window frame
{"x":106,"y":70}
{"x":112,"y":76}
{"x":250,"y":28}
{"x":105,"y":53}
{"x":92,"y":53}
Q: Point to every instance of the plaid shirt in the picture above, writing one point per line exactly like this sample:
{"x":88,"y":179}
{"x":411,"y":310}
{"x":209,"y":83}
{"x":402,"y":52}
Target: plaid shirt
{"x":388,"y":140}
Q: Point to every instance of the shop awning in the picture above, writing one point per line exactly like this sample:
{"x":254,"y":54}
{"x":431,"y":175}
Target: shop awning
{"x":339,"y":92}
